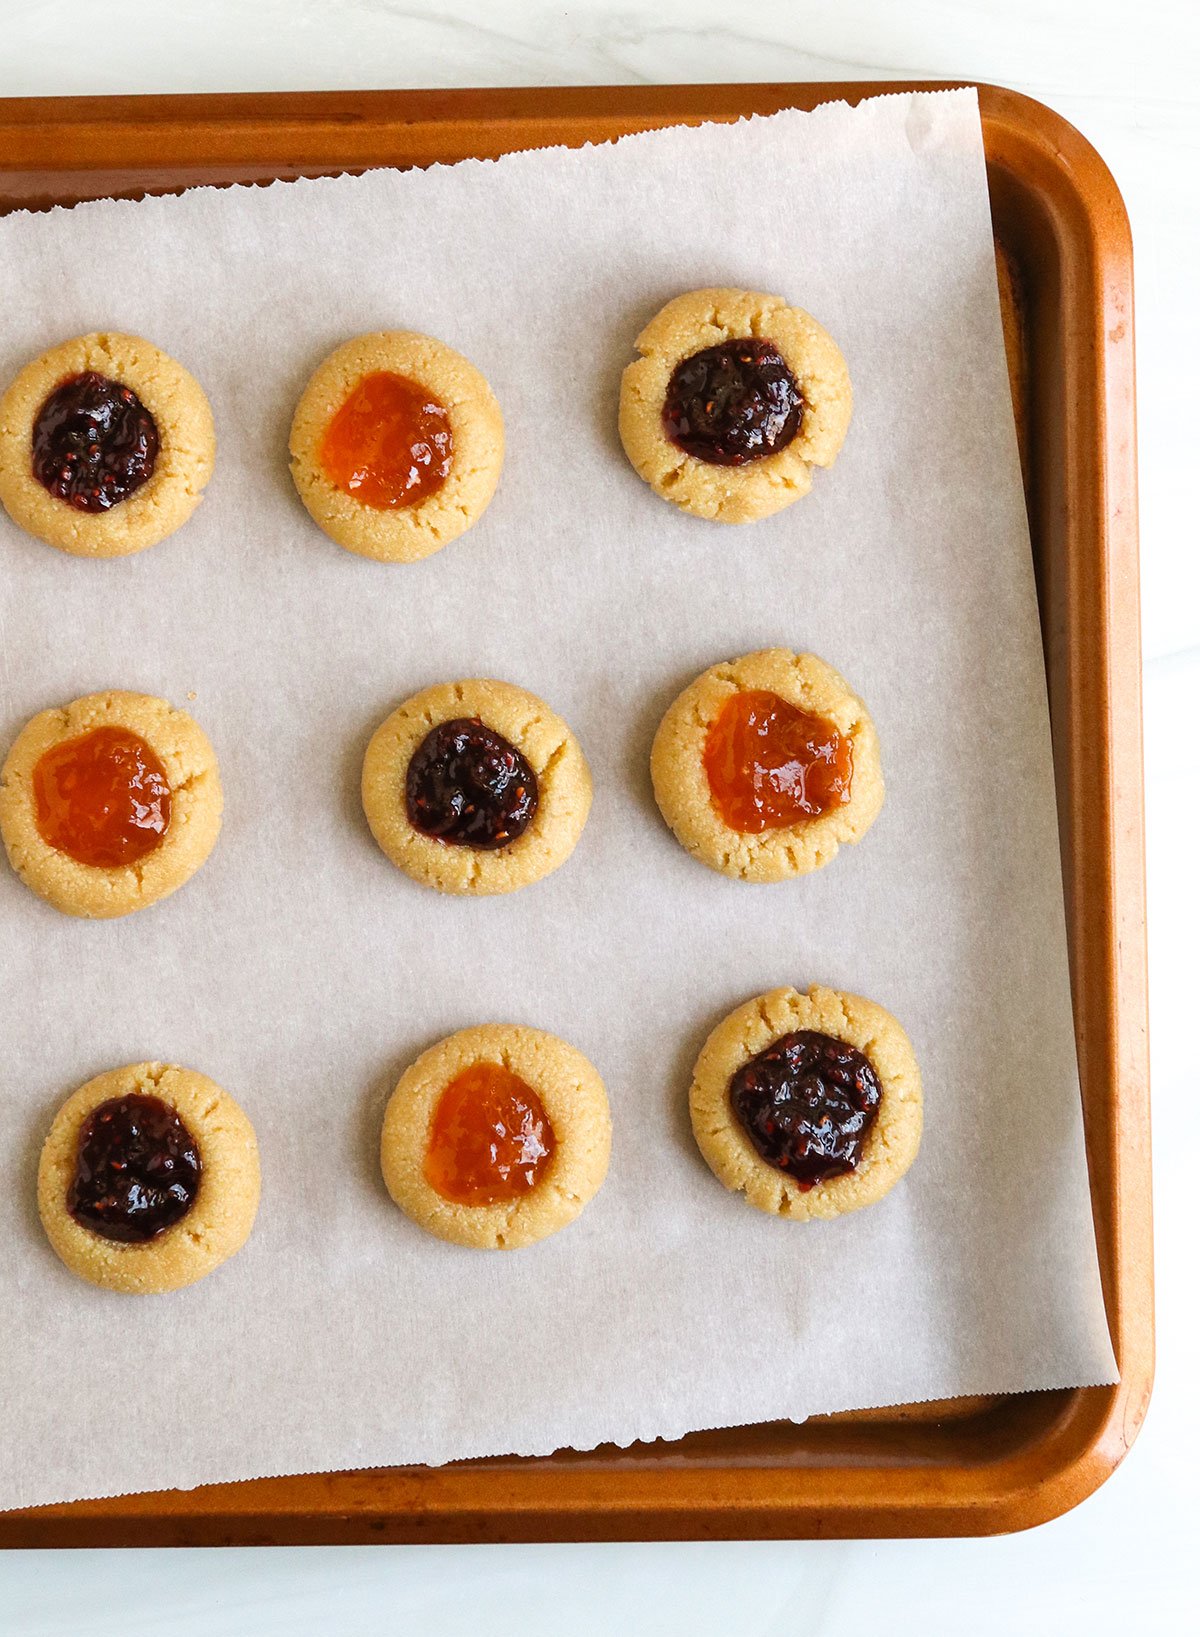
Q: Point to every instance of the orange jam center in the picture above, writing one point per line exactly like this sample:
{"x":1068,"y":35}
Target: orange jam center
{"x":771,"y":765}
{"x":102,"y":798}
{"x":389,"y":444}
{"x":490,"y":1140}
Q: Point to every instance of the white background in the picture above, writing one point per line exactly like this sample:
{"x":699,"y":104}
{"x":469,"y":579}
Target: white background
{"x":1127,"y":74}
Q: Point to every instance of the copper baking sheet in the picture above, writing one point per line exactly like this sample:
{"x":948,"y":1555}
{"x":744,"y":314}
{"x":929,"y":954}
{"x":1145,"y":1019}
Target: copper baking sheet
{"x":975,"y":1466}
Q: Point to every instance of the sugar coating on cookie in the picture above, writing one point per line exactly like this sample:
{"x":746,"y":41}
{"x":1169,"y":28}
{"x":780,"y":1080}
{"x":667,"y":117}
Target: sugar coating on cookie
{"x":891,"y":1143}
{"x":106,"y":444}
{"x":219,"y":1217}
{"x":396,"y":445}
{"x":682,"y":765}
{"x":113,"y":737}
{"x":460,"y":747}
{"x":763,"y":413}
{"x":543,"y":1139}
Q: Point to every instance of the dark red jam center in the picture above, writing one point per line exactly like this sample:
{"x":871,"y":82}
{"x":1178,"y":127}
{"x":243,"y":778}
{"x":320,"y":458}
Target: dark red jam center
{"x":137,"y":1170}
{"x":733,"y":403}
{"x":807,"y":1103}
{"x":94,"y":442}
{"x":468,"y":785}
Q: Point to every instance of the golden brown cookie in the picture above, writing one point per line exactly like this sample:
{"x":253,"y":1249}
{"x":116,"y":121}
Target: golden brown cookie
{"x":397,"y":445}
{"x":148,"y":1179}
{"x":496,"y":1137}
{"x":500,"y":780}
{"x":751,"y":724}
{"x":827,"y":1090}
{"x":770,"y":404}
{"x":122,"y":434}
{"x":109,"y":803}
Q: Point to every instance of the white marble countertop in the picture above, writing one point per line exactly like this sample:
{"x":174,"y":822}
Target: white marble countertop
{"x":1127,"y":75}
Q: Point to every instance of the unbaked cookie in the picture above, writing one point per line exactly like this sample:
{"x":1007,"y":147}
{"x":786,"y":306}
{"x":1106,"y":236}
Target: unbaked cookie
{"x":148,"y":1178}
{"x":109,"y":803}
{"x":476,"y":787}
{"x":397,"y":445}
{"x":766,"y":764}
{"x":735,"y":398}
{"x":106,"y":444}
{"x":810,"y":1105}
{"x":496,"y":1137}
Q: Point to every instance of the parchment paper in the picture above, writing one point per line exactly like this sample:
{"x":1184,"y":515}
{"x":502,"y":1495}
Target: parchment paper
{"x":302,"y":972}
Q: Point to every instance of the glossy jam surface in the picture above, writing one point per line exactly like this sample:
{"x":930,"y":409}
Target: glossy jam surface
{"x":466,"y":784}
{"x":137,"y":1170}
{"x":389,"y":444}
{"x":94,"y":442}
{"x":102,"y":798}
{"x":490,"y":1140}
{"x":771,"y":765}
{"x":807,"y":1103}
{"x":733,"y":403}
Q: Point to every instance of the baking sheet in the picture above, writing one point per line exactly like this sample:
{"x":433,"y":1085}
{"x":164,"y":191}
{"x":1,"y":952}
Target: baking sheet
{"x":303,"y":973}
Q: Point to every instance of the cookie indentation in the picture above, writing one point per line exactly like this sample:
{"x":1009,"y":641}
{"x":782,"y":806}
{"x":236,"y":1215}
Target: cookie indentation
{"x":733,"y":403}
{"x":468,"y":785}
{"x":102,"y":797}
{"x":770,"y":764}
{"x":94,"y":442}
{"x":390,"y":444}
{"x":490,"y":1140}
{"x":137,"y":1170}
{"x":807,"y":1103}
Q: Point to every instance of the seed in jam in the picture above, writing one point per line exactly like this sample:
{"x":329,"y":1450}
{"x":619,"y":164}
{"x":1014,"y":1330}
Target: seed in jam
{"x":94,"y":442}
{"x":137,"y":1169}
{"x":102,"y":798}
{"x":389,"y":444}
{"x":807,"y":1103}
{"x":490,"y":1140}
{"x":468,"y":785}
{"x":771,"y":765}
{"x":733,"y":403}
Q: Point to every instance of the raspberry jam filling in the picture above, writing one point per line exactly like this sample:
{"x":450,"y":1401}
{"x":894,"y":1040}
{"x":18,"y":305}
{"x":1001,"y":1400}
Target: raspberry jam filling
{"x":733,"y":403}
{"x":137,"y":1169}
{"x":94,"y":442}
{"x":771,"y":765}
{"x":102,"y":798}
{"x":466,"y":784}
{"x":807,"y":1103}
{"x":490,"y":1140}
{"x":390,"y":443}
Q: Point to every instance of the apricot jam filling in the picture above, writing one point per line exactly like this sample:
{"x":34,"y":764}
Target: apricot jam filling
{"x":390,"y":443}
{"x":771,"y":765}
{"x":490,"y":1140}
{"x":102,"y":798}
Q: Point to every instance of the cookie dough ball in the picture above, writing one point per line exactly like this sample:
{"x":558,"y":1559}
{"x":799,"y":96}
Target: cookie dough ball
{"x":766,"y":764}
{"x":476,"y":787}
{"x":735,"y":398}
{"x":397,"y":445}
{"x":109,"y":803}
{"x":106,"y":444}
{"x":809,"y":1105}
{"x":148,"y":1179}
{"x":496,"y":1137}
